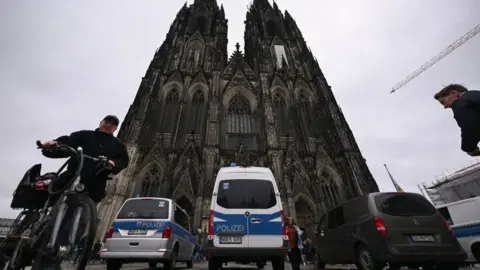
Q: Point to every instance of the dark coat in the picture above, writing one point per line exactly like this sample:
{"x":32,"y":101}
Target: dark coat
{"x":466,"y":111}
{"x":94,"y":143}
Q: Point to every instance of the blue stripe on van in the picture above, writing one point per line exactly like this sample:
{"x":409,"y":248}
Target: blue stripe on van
{"x":148,"y":224}
{"x":467,"y":230}
{"x":238,"y":223}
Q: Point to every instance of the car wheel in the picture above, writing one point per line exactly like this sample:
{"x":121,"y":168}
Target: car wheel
{"x":278,"y":263}
{"x":213,"y":263}
{"x":365,"y":260}
{"x":113,"y":265}
{"x":152,"y":264}
{"x":170,"y":264}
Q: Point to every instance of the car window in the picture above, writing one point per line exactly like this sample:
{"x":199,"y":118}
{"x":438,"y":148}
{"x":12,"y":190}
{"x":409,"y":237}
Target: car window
{"x":446,"y":215}
{"x":144,"y":209}
{"x":181,"y":218}
{"x":336,"y":218}
{"x":246,"y":193}
{"x":404,"y":204}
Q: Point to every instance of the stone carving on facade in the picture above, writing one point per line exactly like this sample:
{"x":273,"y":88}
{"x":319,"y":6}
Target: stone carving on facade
{"x":248,"y":74}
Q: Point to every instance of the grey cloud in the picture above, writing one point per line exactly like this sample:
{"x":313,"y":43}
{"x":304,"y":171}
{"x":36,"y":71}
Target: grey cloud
{"x":63,"y":66}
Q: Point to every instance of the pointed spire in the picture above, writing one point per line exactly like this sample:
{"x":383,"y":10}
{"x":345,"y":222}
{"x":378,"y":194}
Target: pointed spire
{"x":209,"y":3}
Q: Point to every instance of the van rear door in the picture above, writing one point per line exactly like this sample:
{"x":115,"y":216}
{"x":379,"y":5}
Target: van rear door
{"x":138,"y":222}
{"x":411,"y":221}
{"x":265,"y":222}
{"x":230,"y":226}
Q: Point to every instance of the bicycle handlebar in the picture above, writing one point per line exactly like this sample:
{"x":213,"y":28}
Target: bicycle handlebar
{"x":79,"y":156}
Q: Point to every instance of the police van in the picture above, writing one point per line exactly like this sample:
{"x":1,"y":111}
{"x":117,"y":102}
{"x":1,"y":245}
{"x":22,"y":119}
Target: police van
{"x":149,"y":230}
{"x":246,"y":222}
{"x":464,"y":219}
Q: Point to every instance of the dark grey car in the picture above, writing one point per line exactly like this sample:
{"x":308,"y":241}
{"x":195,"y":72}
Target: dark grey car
{"x":398,"y":229}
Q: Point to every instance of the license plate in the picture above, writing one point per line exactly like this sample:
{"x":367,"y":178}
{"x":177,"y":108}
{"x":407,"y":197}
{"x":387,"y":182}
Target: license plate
{"x":423,"y":238}
{"x":230,"y":240}
{"x":137,"y":232}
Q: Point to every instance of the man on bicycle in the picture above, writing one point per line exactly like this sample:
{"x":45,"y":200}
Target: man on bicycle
{"x":98,"y":142}
{"x":465,"y":105}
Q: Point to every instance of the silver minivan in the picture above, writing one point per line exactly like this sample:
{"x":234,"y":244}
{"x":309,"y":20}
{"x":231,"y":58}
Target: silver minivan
{"x":149,"y":230}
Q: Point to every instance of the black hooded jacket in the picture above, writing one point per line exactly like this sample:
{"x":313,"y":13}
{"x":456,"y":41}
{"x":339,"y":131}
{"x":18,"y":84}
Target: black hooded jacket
{"x":94,"y":143}
{"x":466,"y":110}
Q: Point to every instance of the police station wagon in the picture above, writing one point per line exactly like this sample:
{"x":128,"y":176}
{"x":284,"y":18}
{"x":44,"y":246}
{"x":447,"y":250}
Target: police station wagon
{"x":149,"y":230}
{"x":246,"y":222}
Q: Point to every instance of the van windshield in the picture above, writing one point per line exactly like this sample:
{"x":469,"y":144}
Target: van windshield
{"x":246,"y":193}
{"x":399,"y":204}
{"x":144,"y":209}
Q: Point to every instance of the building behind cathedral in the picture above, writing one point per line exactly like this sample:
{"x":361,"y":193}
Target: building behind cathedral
{"x":199,"y":109}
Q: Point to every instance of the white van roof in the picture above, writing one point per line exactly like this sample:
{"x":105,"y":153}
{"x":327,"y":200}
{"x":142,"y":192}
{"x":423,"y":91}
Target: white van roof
{"x":149,"y":198}
{"x":245,"y":169}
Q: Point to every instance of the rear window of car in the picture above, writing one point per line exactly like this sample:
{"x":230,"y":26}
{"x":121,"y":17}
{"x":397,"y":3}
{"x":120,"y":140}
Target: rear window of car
{"x":399,"y":204}
{"x":246,"y":193}
{"x":144,"y":209}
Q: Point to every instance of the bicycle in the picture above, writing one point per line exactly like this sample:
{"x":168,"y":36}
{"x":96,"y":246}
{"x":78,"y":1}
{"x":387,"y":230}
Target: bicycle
{"x":73,"y":197}
{"x":31,"y":195}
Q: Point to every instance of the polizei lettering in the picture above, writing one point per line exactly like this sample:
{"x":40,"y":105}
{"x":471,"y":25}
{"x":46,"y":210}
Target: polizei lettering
{"x":150,"y":224}
{"x":230,"y":228}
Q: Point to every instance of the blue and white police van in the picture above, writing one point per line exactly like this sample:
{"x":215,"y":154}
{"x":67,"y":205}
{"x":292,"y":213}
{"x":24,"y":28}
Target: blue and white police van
{"x":246,"y":222}
{"x":464,"y":218}
{"x":149,"y":230}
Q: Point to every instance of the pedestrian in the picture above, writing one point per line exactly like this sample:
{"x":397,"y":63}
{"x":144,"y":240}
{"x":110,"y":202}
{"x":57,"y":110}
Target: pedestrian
{"x":295,"y":244}
{"x":465,"y":105}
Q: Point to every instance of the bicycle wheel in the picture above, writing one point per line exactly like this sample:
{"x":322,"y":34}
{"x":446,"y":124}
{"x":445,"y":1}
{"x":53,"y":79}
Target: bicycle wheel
{"x":84,"y":238}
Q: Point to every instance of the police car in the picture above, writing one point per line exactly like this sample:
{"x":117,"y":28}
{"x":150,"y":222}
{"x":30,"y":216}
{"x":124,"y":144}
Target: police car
{"x":246,"y":222}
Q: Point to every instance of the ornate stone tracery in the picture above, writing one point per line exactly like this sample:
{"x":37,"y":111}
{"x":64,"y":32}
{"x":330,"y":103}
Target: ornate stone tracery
{"x":199,"y":109}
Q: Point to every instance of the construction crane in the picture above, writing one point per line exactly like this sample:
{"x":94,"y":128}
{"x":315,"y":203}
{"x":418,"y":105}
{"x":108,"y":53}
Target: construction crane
{"x":470,"y":34}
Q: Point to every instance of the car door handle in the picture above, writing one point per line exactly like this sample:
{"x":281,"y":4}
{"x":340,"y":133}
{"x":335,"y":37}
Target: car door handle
{"x":255,"y":220}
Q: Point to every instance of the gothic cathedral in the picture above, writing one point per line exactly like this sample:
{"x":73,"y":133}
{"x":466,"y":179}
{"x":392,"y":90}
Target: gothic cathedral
{"x":198,"y":109}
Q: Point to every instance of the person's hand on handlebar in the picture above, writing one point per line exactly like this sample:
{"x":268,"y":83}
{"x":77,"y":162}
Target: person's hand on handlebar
{"x":110,"y":164}
{"x":49,"y":145}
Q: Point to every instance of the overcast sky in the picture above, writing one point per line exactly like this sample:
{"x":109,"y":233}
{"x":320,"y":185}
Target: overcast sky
{"x":63,"y":66}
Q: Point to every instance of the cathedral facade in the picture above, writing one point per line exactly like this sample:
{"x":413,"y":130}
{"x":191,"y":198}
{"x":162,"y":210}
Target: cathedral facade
{"x":199,"y":109}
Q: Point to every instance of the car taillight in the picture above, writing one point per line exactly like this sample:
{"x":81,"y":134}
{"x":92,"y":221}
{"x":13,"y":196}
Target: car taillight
{"x":447,"y":225}
{"x":167,"y":231}
{"x":110,"y":232}
{"x":210,"y":223}
{"x":284,"y":226}
{"x":380,"y":225}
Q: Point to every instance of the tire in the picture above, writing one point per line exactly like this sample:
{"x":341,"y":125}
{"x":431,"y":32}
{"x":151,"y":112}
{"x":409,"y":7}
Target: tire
{"x":113,"y":265}
{"x":213,"y":263}
{"x":90,"y":215}
{"x":260,"y":265}
{"x":17,"y":261}
{"x":152,"y":264}
{"x":190,"y":262}
{"x":365,"y":260}
{"x":278,"y":263}
{"x":170,"y":264}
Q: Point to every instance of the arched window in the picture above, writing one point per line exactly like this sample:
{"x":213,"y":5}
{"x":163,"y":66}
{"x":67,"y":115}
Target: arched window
{"x":330,"y":190}
{"x":170,"y":112}
{"x":239,"y":116}
{"x":197,"y":113}
{"x":271,"y":28}
{"x":304,"y":110}
{"x":151,"y":183}
{"x":283,"y":114}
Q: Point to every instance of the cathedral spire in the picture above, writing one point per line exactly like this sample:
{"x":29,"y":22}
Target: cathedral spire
{"x":209,"y":3}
